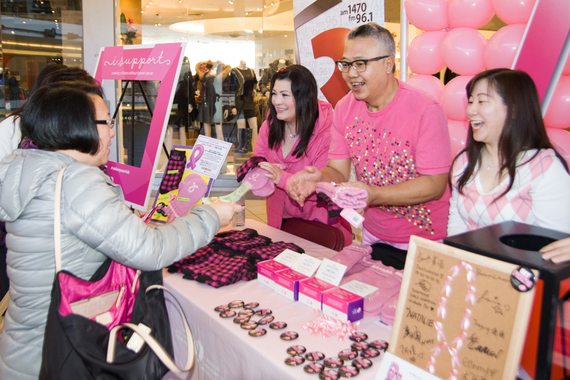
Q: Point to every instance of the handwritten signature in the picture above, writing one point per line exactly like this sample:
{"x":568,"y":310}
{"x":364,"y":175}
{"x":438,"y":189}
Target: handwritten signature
{"x":485,"y":350}
{"x":497,"y":305}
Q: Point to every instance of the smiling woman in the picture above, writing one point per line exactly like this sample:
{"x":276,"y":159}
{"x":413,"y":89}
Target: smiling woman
{"x":296,"y":134}
{"x":509,"y":170}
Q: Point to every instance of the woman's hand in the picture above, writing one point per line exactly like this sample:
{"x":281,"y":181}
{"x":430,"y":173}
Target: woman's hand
{"x":273,"y":171}
{"x":225,"y":211}
{"x":558,"y":252}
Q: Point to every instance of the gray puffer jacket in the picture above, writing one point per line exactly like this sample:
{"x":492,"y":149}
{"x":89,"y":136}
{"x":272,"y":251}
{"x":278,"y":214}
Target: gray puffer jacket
{"x":95,"y":224}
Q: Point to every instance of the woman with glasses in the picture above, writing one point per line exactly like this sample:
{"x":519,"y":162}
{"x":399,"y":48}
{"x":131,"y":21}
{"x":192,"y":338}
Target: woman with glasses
{"x":70,"y":125}
{"x":295,"y":134}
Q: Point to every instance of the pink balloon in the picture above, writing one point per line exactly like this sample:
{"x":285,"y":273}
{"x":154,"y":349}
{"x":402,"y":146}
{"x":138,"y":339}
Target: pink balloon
{"x":428,"y":84}
{"x":462,"y":51}
{"x":427,"y":14}
{"x":502,"y":47}
{"x":513,"y":11}
{"x":469,"y":13}
{"x":424,"y":53}
{"x":560,"y":139}
{"x":454,"y":98}
{"x":558,"y":111}
{"x":458,"y":131}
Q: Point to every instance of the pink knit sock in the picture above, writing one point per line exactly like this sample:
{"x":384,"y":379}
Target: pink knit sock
{"x":350,"y":197}
{"x":388,"y":282}
{"x":327,"y":188}
{"x":351,"y":256}
{"x":389,"y":310}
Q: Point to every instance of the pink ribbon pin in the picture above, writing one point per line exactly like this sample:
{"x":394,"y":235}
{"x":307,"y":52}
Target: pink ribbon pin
{"x":197,"y":152}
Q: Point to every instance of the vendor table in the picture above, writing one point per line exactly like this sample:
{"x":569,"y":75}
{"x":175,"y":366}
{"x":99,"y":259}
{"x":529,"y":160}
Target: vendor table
{"x":225,"y":351}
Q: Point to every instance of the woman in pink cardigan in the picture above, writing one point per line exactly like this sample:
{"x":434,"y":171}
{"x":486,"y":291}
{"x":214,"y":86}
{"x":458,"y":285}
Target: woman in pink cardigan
{"x":295,"y":135}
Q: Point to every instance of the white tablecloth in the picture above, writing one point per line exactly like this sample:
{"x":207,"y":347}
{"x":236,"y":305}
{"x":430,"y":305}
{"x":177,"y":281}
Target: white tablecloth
{"x":225,"y":351}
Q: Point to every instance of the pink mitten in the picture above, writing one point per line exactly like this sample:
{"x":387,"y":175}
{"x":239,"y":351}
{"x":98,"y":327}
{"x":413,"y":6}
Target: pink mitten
{"x":389,"y":310}
{"x":388,"y":281}
{"x":261,"y":185}
{"x":191,"y":190}
{"x":351,"y":256}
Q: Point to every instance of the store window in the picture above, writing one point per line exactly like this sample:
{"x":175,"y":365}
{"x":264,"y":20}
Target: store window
{"x":230,"y":47}
{"x":35,"y":34}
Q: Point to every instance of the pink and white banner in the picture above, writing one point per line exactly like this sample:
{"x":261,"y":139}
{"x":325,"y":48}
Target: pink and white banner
{"x":321,"y":28}
{"x":160,"y":62}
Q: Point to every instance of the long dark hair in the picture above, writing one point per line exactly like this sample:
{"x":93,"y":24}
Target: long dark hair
{"x":305,"y":91}
{"x":523,"y":130}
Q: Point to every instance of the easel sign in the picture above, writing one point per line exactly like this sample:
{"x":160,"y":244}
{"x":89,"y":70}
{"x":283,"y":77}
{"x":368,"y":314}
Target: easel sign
{"x":135,"y":63}
{"x":459,"y":315}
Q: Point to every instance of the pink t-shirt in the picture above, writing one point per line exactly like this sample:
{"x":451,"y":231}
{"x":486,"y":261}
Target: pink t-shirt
{"x":407,"y":138}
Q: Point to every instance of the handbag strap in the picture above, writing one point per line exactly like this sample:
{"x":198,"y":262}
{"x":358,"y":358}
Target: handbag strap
{"x":153,"y":343}
{"x":57,"y":220}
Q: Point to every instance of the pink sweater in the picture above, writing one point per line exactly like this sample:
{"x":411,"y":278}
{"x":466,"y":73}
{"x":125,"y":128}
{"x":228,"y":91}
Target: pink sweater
{"x":279,"y":205}
{"x":407,"y":138}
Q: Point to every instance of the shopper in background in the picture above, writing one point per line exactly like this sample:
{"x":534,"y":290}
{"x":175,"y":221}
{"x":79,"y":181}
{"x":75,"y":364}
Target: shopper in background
{"x":71,"y":127}
{"x":10,"y":134}
{"x":398,"y":141}
{"x":296,"y":134}
{"x":509,"y":170}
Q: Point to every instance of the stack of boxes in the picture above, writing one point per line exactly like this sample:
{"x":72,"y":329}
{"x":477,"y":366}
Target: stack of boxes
{"x":291,"y":275}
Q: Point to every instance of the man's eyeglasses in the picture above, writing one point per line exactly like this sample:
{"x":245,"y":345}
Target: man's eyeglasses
{"x":359,"y":65}
{"x":109,"y":123}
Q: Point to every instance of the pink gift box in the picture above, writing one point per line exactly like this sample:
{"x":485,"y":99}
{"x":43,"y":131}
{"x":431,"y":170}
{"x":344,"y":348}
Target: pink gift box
{"x":311,"y":292}
{"x":343,"y":305}
{"x":287,"y":283}
{"x":266,"y":272}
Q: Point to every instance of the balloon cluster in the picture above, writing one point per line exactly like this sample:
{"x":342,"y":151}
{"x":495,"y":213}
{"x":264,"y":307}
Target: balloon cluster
{"x":451,"y":39}
{"x":557,"y":117}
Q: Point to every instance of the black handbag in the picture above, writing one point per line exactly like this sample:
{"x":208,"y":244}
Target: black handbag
{"x":77,"y":341}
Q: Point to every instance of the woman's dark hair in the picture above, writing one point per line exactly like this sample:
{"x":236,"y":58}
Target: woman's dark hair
{"x":523,"y":130}
{"x":305,"y":92}
{"x":61,"y":116}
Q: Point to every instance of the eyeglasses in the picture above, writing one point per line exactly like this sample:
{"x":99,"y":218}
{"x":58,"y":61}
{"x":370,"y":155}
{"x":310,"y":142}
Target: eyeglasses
{"x":109,"y":123}
{"x":359,"y":65}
